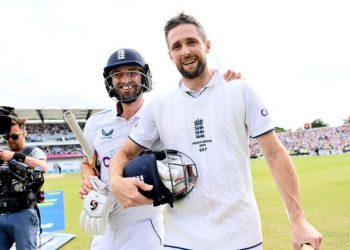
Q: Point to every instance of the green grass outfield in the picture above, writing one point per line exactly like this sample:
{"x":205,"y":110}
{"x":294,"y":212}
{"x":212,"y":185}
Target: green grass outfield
{"x":325,"y":192}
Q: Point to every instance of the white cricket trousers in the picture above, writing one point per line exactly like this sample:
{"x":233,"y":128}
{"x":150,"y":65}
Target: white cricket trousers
{"x":144,"y":234}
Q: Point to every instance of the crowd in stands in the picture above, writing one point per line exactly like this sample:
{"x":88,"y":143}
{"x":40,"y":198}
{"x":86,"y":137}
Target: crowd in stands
{"x":42,"y":128}
{"x":73,"y":149}
{"x":312,"y":141}
{"x":330,"y":140}
{"x":50,"y":132}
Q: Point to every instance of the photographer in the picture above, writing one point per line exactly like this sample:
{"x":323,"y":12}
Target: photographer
{"x":21,"y":177}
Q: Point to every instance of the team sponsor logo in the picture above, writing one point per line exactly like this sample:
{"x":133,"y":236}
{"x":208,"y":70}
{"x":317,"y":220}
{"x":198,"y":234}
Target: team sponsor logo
{"x":106,"y":134}
{"x":107,"y":159}
{"x":264,"y":112}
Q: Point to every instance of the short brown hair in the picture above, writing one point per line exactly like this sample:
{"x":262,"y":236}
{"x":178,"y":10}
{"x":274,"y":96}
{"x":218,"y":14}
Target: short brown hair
{"x":18,"y":121}
{"x":183,"y":18}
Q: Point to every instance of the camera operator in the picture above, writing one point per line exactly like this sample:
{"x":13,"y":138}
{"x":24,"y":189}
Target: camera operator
{"x":21,"y":167}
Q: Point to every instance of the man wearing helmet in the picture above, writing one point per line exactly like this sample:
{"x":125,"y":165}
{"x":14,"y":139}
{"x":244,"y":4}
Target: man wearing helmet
{"x":127,"y":77}
{"x":211,"y":122}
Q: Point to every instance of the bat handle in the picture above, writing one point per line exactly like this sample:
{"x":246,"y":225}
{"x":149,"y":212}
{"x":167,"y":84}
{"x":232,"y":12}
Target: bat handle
{"x":307,"y":246}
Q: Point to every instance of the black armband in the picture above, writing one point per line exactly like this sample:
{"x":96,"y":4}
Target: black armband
{"x":19,"y":157}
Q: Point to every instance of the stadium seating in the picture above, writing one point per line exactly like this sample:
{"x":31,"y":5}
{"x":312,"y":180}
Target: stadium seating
{"x":60,"y":144}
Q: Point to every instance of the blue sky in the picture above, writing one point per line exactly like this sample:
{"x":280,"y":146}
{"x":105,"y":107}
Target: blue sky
{"x":296,"y":54}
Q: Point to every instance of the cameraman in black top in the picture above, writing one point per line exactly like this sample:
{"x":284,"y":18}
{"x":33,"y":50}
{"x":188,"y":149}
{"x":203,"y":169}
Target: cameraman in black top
{"x":21,"y":176}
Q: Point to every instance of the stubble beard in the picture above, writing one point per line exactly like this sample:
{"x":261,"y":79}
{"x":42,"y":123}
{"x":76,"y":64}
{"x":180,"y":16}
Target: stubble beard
{"x":193,"y":74}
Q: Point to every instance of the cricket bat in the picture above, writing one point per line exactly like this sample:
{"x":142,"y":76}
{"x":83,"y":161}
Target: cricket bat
{"x":76,"y":129}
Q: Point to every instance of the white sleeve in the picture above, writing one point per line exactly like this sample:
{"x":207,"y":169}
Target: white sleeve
{"x":258,"y":119}
{"x":37,"y":153}
{"x":146,"y":133}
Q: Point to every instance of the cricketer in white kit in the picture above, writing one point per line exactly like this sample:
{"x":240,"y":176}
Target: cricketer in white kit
{"x":221,"y":209}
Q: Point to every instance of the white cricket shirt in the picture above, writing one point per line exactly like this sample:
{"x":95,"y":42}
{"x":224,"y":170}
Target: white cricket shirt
{"x":106,"y":132}
{"x":213,"y":128}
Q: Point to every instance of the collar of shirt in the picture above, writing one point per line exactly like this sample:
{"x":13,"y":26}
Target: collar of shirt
{"x":196,"y":94}
{"x":115,"y":114}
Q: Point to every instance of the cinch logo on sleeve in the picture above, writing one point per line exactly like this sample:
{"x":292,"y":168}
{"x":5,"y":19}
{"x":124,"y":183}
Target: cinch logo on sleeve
{"x":264,"y":112}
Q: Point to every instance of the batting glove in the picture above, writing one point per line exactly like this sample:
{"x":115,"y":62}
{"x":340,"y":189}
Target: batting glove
{"x":94,"y":216}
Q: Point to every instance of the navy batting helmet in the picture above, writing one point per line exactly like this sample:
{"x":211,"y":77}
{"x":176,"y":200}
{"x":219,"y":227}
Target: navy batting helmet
{"x":172,"y":174}
{"x":127,"y":57}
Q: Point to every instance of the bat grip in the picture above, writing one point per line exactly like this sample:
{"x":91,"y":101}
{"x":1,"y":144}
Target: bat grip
{"x":306,"y":246}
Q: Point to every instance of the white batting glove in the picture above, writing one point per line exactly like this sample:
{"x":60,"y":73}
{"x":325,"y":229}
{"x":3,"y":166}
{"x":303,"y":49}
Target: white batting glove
{"x":94,"y":216}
